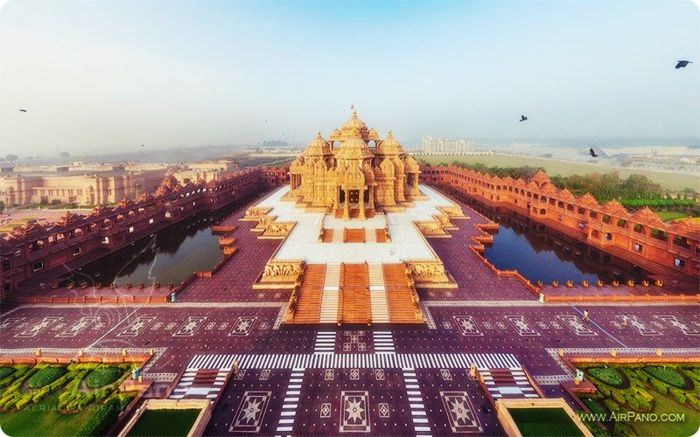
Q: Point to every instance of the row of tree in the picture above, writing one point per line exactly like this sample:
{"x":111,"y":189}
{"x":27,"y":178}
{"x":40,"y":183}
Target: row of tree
{"x":635,"y":191}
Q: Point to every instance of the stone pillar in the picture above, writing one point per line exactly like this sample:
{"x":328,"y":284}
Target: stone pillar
{"x":346,"y":206}
{"x":371,"y":198}
{"x":362,"y":204}
{"x":335,"y":199}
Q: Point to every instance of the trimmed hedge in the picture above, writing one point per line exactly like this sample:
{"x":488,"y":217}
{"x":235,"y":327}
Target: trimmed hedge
{"x":608,"y":375}
{"x":595,"y":406}
{"x":45,"y":376}
{"x":102,"y":376}
{"x":99,"y":422}
{"x":6,"y":371}
{"x":669,"y":375}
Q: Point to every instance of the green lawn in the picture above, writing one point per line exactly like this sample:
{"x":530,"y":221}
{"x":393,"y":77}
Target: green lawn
{"x":671,"y":181}
{"x":682,"y":428}
{"x":43,"y":419}
{"x":170,"y":423}
{"x":544,"y":422}
{"x":658,"y":386}
{"x":671,"y":215}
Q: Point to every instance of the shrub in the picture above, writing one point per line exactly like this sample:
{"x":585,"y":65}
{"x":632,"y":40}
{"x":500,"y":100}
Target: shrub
{"x":21,"y":372}
{"x":659,"y":386}
{"x":105,"y":415}
{"x":619,"y":397}
{"x":632,"y":402}
{"x":6,"y":371}
{"x":690,"y":373}
{"x":604,"y":389}
{"x":124,"y":399}
{"x":608,"y":375}
{"x":613,"y":406}
{"x":678,"y":396}
{"x":102,"y":376}
{"x":594,"y":406}
{"x":23,"y":401}
{"x":45,"y":376}
{"x":693,"y":400}
{"x":669,"y":375}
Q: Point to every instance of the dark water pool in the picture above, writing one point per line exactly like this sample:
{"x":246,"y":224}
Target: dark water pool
{"x":542,"y":256}
{"x":169,"y":256}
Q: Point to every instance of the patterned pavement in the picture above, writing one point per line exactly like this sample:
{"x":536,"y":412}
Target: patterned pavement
{"x":361,"y":380}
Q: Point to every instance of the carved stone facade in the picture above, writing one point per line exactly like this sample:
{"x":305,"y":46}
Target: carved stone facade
{"x":429,"y":274}
{"x":281,"y":274}
{"x":669,"y":248}
{"x":345,"y":172}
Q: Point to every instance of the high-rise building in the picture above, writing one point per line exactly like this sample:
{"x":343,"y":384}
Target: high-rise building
{"x":446,"y":146}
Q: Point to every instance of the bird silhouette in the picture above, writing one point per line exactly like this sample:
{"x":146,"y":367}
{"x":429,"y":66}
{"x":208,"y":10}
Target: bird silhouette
{"x":683,"y":64}
{"x":22,"y":110}
{"x":592,"y":152}
{"x":523,"y":118}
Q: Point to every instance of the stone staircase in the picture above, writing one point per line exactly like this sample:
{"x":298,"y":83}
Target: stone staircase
{"x":355,"y":294}
{"x":331,"y":292}
{"x":309,"y":302}
{"x":377,"y":294}
{"x":399,"y":294}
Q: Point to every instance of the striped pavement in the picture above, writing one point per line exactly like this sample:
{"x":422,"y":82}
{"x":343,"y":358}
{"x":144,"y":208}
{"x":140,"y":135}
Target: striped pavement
{"x":325,"y":342}
{"x":415,"y":401}
{"x":190,"y":387}
{"x":355,"y":361}
{"x":291,"y":402}
{"x":383,"y":342}
{"x":507,"y":383}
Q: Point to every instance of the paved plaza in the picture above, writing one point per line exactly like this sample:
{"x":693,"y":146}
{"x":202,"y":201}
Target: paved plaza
{"x":325,"y":379}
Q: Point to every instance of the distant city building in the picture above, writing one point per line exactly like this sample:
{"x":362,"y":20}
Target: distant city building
{"x":441,"y":145}
{"x":92,"y":184}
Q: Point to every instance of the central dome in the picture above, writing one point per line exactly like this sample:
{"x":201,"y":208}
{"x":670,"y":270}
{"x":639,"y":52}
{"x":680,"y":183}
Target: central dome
{"x":353,"y":149}
{"x":354,"y":127}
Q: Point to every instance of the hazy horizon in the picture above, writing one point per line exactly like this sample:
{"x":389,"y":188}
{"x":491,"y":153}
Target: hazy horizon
{"x":108,"y":76}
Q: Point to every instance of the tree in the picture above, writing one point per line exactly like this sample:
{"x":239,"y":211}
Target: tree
{"x":11,"y":157}
{"x":65,"y":154}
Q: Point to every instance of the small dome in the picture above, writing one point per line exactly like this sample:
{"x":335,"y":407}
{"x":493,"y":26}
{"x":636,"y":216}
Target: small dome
{"x":390,"y":146}
{"x":318,"y":146}
{"x":373,"y":135}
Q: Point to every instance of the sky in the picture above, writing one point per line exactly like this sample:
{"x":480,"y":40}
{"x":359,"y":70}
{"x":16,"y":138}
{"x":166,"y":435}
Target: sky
{"x":105,"y":76}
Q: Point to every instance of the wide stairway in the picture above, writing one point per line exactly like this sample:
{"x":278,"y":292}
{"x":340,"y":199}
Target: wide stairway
{"x":399,"y":294}
{"x":377,"y":294}
{"x":331,"y":290}
{"x":355,"y":294}
{"x":308,"y":307}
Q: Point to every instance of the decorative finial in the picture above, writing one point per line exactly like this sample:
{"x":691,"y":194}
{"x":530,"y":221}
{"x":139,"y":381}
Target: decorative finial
{"x":389,"y":132}
{"x":354,"y":112}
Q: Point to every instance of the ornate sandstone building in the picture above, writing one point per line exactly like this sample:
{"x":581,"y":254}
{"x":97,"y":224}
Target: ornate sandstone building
{"x":354,"y":170}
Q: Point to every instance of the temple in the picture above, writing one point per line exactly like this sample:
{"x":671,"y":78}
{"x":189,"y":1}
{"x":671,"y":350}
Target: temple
{"x":354,"y":170}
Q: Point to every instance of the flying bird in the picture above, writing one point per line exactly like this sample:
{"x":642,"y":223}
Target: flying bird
{"x":523,"y":118}
{"x":22,"y":110}
{"x":683,"y":64}
{"x":592,"y":152}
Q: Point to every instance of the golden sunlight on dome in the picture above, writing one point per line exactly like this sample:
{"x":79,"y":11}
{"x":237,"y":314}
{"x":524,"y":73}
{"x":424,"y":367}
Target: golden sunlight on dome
{"x":318,"y":146}
{"x":353,"y":175}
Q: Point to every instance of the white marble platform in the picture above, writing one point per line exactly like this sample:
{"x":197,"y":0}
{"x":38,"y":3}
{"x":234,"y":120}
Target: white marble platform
{"x":406,"y":243}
